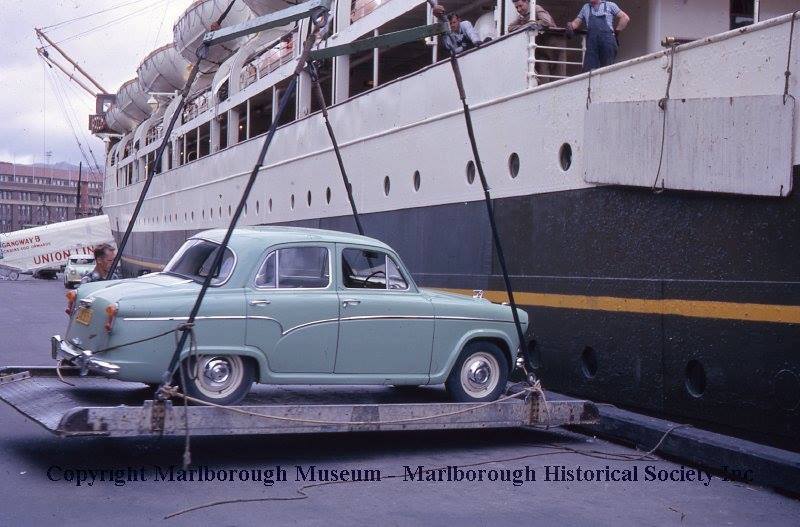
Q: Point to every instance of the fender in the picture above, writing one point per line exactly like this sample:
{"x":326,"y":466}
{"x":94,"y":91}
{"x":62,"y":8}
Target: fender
{"x":244,"y":351}
{"x":441,"y":376}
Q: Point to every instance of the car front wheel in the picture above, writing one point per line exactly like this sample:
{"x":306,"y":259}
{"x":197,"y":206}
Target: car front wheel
{"x":479,"y":375}
{"x":218,"y":379}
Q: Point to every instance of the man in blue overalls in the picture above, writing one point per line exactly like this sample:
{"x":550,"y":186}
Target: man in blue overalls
{"x":601,"y":41}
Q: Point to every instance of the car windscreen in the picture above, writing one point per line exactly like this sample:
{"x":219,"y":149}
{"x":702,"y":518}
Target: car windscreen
{"x":195,"y":258}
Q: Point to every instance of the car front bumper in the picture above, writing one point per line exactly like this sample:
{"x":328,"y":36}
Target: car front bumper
{"x":83,"y":359}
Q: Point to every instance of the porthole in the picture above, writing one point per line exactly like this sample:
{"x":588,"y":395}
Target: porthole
{"x":328,"y":194}
{"x":565,"y":156}
{"x":308,"y":198}
{"x":185,"y":216}
{"x":192,"y":215}
{"x":245,"y":209}
{"x":387,"y":185}
{"x":470,"y":172}
{"x":291,"y":203}
{"x":220,"y":212}
{"x":513,"y":165}
{"x":417,"y":180}
{"x":258,"y":207}
{"x":589,"y":362}
{"x":695,"y":378}
{"x":204,"y":213}
{"x":535,"y":355}
{"x":269,"y":205}
{"x":211,"y":213}
{"x":230,"y":213}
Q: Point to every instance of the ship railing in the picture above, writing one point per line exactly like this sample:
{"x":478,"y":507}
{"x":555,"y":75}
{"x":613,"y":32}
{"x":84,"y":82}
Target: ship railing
{"x":361,"y":8}
{"x":552,"y":56}
{"x":268,"y":61}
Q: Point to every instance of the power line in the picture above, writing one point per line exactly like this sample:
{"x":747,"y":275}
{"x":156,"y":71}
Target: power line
{"x":111,"y":22}
{"x":65,"y":22}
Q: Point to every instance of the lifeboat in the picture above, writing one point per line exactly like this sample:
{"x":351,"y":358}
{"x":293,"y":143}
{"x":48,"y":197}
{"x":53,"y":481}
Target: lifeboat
{"x":163,"y":70}
{"x":132,"y":101}
{"x":196,"y":21}
{"x":265,"y":7}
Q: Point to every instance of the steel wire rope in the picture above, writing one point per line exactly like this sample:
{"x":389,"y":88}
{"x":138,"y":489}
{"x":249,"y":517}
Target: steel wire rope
{"x":201,"y":54}
{"x":59,"y":99}
{"x":788,"y":71}
{"x":82,"y":17}
{"x":79,"y":96}
{"x":111,"y":22}
{"x":662,"y":104}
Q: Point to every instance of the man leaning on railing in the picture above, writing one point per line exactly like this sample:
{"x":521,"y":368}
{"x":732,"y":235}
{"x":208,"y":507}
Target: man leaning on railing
{"x":546,"y":67}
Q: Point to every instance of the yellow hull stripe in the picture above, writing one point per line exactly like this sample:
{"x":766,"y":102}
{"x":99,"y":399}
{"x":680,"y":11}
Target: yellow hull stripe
{"x":785,"y":314}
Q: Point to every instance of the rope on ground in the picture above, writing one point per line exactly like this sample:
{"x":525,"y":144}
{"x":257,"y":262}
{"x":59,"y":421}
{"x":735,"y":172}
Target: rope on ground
{"x":175,"y":392}
{"x":663,"y":105}
{"x":619,"y":456}
{"x":788,"y":72}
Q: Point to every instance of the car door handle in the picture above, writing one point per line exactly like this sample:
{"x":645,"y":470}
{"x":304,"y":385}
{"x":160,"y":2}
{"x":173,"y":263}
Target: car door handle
{"x":350,"y":302}
{"x":259,"y":302}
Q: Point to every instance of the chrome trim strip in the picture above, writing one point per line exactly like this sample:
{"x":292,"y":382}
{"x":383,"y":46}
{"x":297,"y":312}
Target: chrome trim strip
{"x":307,"y":324}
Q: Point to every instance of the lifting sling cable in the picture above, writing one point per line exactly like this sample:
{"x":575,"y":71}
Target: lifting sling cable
{"x":319,"y":19}
{"x":202,"y":52}
{"x":314,"y":74}
{"x":527,"y":365}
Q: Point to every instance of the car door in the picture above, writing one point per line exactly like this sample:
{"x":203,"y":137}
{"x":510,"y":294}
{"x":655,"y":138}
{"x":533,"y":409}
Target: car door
{"x":293,"y":309}
{"x":385,"y":325}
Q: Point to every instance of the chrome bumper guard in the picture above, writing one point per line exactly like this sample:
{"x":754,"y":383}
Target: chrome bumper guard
{"x":60,"y":349}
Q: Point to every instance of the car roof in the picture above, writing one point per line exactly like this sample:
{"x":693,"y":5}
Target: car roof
{"x":273,"y":235}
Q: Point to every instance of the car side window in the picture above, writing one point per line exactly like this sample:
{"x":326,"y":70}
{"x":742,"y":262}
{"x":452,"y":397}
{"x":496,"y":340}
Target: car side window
{"x":295,"y":268}
{"x":368,"y":269}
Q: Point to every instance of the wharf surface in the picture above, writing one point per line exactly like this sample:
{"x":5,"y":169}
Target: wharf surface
{"x":32,"y":310}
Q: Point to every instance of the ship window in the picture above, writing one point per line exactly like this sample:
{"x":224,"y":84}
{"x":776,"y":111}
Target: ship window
{"x":513,"y":164}
{"x":169,"y":155}
{"x":328,"y":194}
{"x":258,"y":206}
{"x":565,"y":156}
{"x":291,"y":202}
{"x":695,"y":378}
{"x":260,"y":113}
{"x":290,"y":113}
{"x":241,"y":115}
{"x":223,"y":130}
{"x":229,"y":211}
{"x":269,"y":205}
{"x":204,"y":138}
{"x":222,"y":93}
{"x":417,"y":180}
{"x":220,"y":212}
{"x":387,"y":185}
{"x":589,"y":362}
{"x":470,"y":172}
{"x":397,"y":61}
{"x":191,"y":145}
{"x":361,"y":72}
{"x":308,"y":198}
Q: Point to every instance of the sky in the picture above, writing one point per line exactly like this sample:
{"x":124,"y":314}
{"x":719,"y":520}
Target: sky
{"x":32,"y":121}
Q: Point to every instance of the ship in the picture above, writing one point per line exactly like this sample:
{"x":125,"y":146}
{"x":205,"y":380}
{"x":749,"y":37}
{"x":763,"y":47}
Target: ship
{"x":647,"y":209}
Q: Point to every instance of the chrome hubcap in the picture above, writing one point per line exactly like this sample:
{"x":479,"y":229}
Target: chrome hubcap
{"x":480,"y":374}
{"x":217,"y":371}
{"x":218,"y":376}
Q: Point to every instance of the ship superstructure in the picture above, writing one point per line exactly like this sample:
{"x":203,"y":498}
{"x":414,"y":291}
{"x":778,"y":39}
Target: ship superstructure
{"x":647,"y":207}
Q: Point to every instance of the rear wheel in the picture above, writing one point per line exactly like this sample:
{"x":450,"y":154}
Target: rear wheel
{"x":219,"y":379}
{"x":479,"y":375}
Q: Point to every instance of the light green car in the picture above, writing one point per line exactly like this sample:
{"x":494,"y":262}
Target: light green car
{"x":77,"y":267}
{"x":291,"y":306}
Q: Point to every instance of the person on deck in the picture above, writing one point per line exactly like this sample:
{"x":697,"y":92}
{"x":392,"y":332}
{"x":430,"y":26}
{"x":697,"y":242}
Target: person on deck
{"x":462,"y":35}
{"x":598,"y":16}
{"x":547,"y":70}
{"x":523,"y":7}
{"x":103,"y":257}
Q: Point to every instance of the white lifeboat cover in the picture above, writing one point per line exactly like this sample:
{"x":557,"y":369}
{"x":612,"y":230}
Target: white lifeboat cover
{"x":163,"y":70}
{"x":264,"y":7}
{"x":196,"y":21}
{"x":118,"y":121}
{"x":132,"y":100}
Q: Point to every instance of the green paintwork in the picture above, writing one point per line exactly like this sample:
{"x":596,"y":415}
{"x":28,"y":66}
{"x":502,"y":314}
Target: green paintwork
{"x":387,"y":40}
{"x":300,"y":335}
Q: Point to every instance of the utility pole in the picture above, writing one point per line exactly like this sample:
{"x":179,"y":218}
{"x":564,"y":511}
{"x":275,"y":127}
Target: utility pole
{"x":78,"y":196}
